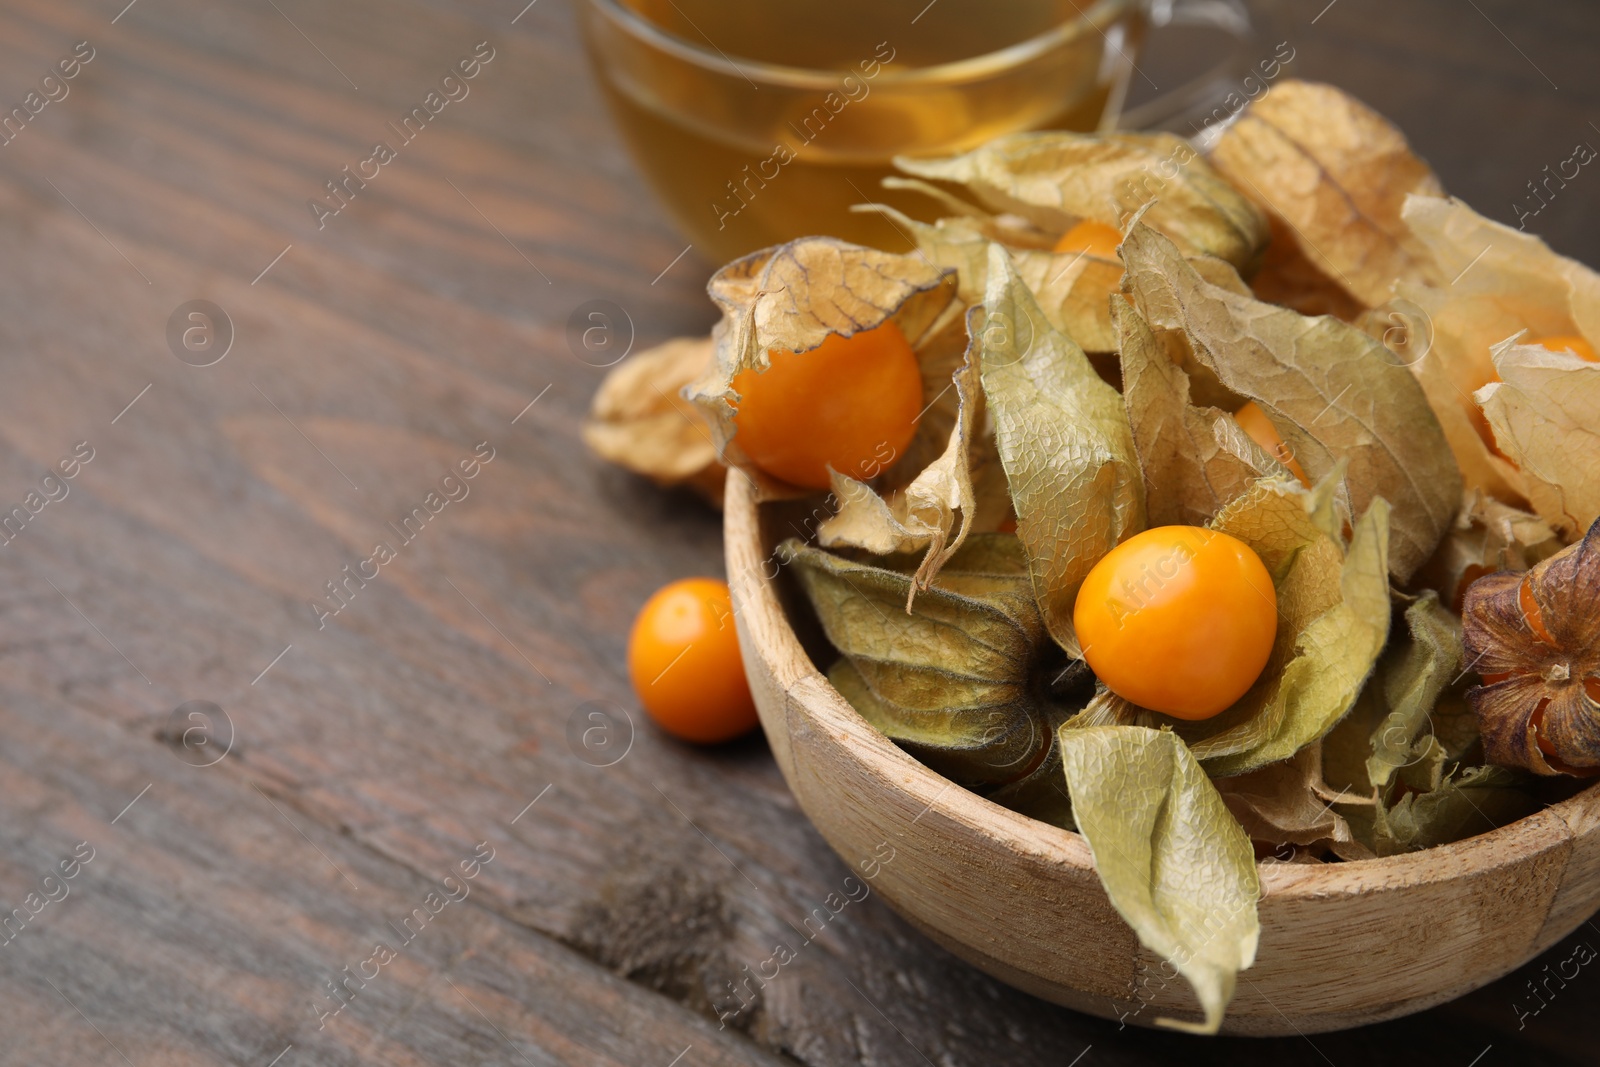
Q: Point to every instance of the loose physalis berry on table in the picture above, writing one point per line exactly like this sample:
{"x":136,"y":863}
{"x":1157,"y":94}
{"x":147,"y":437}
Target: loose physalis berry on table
{"x":683,"y":657}
{"x":851,"y":403}
{"x":1095,"y":238}
{"x":1178,"y":619}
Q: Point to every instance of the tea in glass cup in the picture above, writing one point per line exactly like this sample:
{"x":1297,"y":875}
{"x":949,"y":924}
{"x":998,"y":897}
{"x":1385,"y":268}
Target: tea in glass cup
{"x":761,"y":122}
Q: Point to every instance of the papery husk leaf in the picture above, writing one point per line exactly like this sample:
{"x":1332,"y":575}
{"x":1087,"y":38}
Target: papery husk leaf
{"x":1472,"y":801}
{"x":1189,"y":474}
{"x":1545,"y":413}
{"x":1287,"y":278}
{"x":1064,"y":440}
{"x":1105,"y":708}
{"x":639,"y":419}
{"x":1424,"y":770}
{"x":948,"y":681}
{"x":1333,"y":392}
{"x":1488,"y":536}
{"x":1347,"y":747}
{"x":1336,"y":174}
{"x":1410,"y":681}
{"x":1542,"y":692}
{"x":1476,"y":257}
{"x":1056,"y":180}
{"x":1072,"y":288}
{"x":791,"y":298}
{"x":1175,"y":863}
{"x":936,"y":511}
{"x":1497,"y":282}
{"x":1281,"y":804}
{"x":1333,"y":611}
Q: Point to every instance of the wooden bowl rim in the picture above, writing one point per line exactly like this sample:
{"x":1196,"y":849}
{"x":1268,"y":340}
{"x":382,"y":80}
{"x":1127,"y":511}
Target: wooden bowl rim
{"x":1280,"y":880}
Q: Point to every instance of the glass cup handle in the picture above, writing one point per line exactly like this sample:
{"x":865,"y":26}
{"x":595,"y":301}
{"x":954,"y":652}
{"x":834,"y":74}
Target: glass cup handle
{"x":1231,"y":17}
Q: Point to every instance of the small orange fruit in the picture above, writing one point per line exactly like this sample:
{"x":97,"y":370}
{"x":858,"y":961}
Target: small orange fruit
{"x":1254,"y":422}
{"x":851,"y":403}
{"x":683,"y":657}
{"x":1095,"y":238}
{"x":1178,"y":619}
{"x":1569,"y":343}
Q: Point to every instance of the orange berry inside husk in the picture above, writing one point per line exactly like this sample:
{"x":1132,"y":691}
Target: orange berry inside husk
{"x":851,"y":403}
{"x":1532,"y":614}
{"x":1255,"y":423}
{"x":1570,"y":343}
{"x":1178,"y":619}
{"x":683,"y":659}
{"x":1095,"y":238}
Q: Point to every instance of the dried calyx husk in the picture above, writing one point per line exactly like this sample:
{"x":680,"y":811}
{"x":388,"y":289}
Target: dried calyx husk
{"x":951,"y":680}
{"x":1488,"y":536}
{"x":1025,"y":191}
{"x":1332,"y":392}
{"x":791,"y":298}
{"x":1332,"y":175}
{"x":1175,"y":862}
{"x":1064,"y":442}
{"x":1534,"y":638}
{"x":1520,"y":419}
{"x":640,"y":420}
{"x":1405,"y":768}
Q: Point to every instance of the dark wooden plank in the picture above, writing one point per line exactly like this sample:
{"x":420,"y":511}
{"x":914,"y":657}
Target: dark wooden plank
{"x":381,"y":349}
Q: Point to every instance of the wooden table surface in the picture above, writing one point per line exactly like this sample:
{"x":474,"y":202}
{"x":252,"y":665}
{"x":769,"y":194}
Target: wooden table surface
{"x":356,"y":765}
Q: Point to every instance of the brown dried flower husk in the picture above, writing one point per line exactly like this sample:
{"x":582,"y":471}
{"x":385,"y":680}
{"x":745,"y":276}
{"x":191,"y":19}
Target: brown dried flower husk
{"x":1283,"y":804}
{"x":1535,"y":639}
{"x":640,"y":420}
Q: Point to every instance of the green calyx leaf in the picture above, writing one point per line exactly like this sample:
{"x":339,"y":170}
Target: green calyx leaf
{"x":1333,"y":621}
{"x":1063,"y":439}
{"x":1194,"y":459}
{"x":1174,"y":861}
{"x":1470,"y":801}
{"x":1410,"y":682}
{"x":948,"y":680}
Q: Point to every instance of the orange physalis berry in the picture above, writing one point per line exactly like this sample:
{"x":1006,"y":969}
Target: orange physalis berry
{"x":683,"y":657}
{"x":1178,"y":619}
{"x":851,"y":403}
{"x":1095,"y":238}
{"x":1569,"y":343}
{"x":1254,"y":422}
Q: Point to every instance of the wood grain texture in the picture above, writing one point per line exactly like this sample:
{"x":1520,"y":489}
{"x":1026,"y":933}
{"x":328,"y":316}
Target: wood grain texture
{"x":376,"y":353}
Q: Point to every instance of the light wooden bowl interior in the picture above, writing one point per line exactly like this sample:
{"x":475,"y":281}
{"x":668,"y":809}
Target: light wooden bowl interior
{"x":1342,"y":944}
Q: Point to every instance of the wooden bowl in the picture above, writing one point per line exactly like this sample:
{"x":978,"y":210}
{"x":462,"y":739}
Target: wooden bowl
{"x":1342,"y":944}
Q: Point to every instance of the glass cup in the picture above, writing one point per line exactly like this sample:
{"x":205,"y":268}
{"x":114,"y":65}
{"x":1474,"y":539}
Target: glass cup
{"x":759,"y":123}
